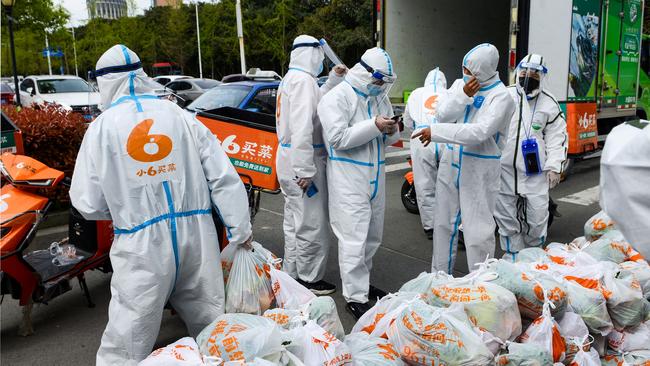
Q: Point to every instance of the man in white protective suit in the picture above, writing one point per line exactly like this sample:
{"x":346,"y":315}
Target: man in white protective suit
{"x":473,"y":122}
{"x":156,"y":172}
{"x":301,"y":164}
{"x":420,"y":113}
{"x":624,"y":177}
{"x":357,"y":128}
{"x":531,"y":163}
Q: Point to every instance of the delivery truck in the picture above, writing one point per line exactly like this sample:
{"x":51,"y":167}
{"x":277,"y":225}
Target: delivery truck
{"x":593,"y":50}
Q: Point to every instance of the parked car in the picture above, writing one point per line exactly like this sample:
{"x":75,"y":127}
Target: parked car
{"x":71,"y":92}
{"x":257,"y":96}
{"x":10,"y":80}
{"x":6,"y":94}
{"x":166,"y":79}
{"x":190,"y":89}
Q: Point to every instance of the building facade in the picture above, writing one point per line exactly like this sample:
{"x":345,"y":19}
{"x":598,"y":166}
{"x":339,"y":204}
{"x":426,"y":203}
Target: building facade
{"x":106,"y":9}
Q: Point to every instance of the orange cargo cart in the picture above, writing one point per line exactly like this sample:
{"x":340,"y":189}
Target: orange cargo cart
{"x":250,"y":141}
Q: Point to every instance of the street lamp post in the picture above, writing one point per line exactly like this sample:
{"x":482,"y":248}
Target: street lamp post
{"x":8,"y":5}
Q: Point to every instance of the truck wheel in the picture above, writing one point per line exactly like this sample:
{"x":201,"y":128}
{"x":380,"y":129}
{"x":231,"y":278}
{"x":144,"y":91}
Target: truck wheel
{"x":409,"y":200}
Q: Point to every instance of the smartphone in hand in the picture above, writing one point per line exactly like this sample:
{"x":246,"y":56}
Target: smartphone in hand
{"x":399,"y":120}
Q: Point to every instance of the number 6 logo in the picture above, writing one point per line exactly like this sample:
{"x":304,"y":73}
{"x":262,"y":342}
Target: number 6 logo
{"x":144,"y":147}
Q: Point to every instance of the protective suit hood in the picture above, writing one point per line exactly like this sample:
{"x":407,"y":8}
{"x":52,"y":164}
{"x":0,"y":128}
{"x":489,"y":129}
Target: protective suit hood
{"x":531,"y":63}
{"x":482,"y":62}
{"x":306,"y":56}
{"x":436,"y":79}
{"x":376,"y":58}
{"x":119,"y":74}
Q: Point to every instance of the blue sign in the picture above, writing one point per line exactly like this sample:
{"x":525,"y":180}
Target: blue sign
{"x":53,"y":53}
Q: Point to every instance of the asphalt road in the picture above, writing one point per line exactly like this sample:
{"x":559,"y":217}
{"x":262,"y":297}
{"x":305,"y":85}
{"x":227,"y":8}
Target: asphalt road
{"x":69,"y":333}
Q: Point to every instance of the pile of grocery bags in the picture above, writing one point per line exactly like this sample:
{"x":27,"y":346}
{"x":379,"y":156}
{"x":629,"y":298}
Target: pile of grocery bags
{"x":584,"y":303}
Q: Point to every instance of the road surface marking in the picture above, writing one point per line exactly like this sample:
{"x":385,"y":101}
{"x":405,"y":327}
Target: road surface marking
{"x":586,"y":197}
{"x":271,"y":211}
{"x":393,"y":154}
{"x":397,"y":167}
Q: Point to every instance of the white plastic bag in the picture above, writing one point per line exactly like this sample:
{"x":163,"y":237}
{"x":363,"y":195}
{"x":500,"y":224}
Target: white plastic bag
{"x":528,"y":255}
{"x":368,"y":321}
{"x":575,"y":334}
{"x":367,"y":350}
{"x":488,"y":305}
{"x":641,"y":271}
{"x":634,"y":358}
{"x":520,"y":354}
{"x":613,"y":247}
{"x":248,"y":289}
{"x":184,"y":352}
{"x":426,"y":335}
{"x":240,"y":337}
{"x":423,"y":283}
{"x":598,"y":225}
{"x":634,"y":339}
{"x":586,"y":358}
{"x":315,"y":346}
{"x":289,"y":294}
{"x":323,"y":311}
{"x":545,"y":332}
{"x":528,"y":287}
{"x":625,"y":301}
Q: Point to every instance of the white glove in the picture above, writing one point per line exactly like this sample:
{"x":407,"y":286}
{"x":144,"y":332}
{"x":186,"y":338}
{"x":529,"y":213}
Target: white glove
{"x":553,"y":179}
{"x":385,"y":124}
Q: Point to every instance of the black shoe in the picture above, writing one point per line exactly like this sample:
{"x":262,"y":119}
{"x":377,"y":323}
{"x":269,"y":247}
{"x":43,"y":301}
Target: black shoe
{"x":357,"y":309}
{"x":375,"y":293}
{"x":319,"y":288}
{"x":429,"y":233}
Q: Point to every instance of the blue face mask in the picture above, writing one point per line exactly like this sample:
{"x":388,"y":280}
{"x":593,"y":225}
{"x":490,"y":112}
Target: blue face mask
{"x":374,"y":90}
{"x":466,"y":78}
{"x":320,"y":70}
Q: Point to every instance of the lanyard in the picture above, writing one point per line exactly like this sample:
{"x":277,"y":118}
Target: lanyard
{"x":528,"y":131}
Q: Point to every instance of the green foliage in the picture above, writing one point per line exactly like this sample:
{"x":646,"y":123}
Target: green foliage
{"x":168,"y":34}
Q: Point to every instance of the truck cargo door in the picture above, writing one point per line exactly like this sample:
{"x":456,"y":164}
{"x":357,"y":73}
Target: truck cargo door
{"x":620,"y":54}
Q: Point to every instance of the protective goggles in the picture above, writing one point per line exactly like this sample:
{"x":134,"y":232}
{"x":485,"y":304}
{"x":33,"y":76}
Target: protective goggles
{"x":533,"y":66}
{"x":378,"y":74}
{"x":308,"y":44}
{"x":114,"y":69}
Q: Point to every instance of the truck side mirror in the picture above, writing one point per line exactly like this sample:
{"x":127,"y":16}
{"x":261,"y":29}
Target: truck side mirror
{"x":31,"y":91}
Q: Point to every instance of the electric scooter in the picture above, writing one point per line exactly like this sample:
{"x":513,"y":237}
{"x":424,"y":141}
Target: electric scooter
{"x":41,"y":275}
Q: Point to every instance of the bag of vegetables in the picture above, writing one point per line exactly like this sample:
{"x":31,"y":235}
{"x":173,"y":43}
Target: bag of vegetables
{"x":184,"y":352}
{"x":235,"y":337}
{"x":613,"y":247}
{"x":384,"y":306}
{"x":488,"y":305}
{"x":248,"y":288}
{"x":598,"y":225}
{"x":367,"y":350}
{"x":545,"y":332}
{"x":426,"y":335}
{"x":520,"y":354}
{"x":591,"y":305}
{"x":528,"y":287}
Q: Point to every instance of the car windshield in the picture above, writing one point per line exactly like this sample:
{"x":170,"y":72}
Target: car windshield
{"x":221,"y":96}
{"x":53,"y":86}
{"x":206,"y":83}
{"x":5,"y":88}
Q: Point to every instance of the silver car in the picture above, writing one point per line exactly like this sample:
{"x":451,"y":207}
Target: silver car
{"x":190,"y":89}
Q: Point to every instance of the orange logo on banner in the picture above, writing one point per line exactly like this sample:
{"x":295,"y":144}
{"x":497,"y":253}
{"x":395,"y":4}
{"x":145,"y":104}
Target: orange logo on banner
{"x":428,"y":104}
{"x":144,"y":147}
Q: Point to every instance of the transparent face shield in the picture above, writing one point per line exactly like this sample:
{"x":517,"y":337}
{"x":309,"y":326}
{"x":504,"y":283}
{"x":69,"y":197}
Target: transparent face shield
{"x":530,"y":77}
{"x":330,"y":55}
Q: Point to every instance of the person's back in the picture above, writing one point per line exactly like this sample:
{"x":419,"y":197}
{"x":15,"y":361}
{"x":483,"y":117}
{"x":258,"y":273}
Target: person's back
{"x":420,"y":113}
{"x":156,"y":172}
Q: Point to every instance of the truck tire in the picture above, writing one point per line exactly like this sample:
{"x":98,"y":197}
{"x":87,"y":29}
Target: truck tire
{"x":409,"y":199}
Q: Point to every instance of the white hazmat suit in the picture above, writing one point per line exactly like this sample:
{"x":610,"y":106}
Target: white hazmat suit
{"x":156,"y":172}
{"x":420,"y":113}
{"x":302,"y":154}
{"x":468,"y":176}
{"x":624,"y":172}
{"x":356,"y":170}
{"x":522,"y":206}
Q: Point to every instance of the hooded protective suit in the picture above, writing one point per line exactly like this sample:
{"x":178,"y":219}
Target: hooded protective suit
{"x":302,"y":155}
{"x":420,"y":113}
{"x":356,"y":170}
{"x":156,"y":172}
{"x":468,"y":174}
{"x":624,"y":172}
{"x":522,"y":206}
